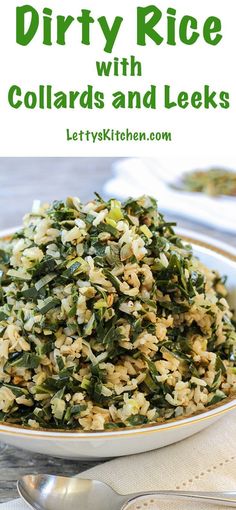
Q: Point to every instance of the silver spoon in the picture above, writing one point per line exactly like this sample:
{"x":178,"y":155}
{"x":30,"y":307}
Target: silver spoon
{"x":47,"y":492}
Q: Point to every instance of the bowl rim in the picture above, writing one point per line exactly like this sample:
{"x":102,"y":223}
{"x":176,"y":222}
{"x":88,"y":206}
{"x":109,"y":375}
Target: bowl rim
{"x":216,"y":411}
{"x":228,"y":404}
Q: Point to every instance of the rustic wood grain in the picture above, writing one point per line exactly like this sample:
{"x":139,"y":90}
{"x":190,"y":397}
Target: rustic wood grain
{"x":21,"y":181}
{"x":15,"y":463}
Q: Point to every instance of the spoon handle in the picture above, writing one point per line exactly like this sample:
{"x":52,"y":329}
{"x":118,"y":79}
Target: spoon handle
{"x":226,"y":498}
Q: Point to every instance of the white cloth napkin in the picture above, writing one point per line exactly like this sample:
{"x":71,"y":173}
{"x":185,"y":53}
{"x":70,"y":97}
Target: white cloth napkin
{"x":205,"y":461}
{"x":134,"y":177}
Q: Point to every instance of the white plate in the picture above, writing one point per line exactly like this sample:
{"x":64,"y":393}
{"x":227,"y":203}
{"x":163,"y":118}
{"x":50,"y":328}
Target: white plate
{"x":100,"y":445}
{"x":134,"y":177}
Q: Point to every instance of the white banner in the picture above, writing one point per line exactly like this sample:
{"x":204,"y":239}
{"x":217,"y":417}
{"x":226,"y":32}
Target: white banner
{"x":79,"y":83}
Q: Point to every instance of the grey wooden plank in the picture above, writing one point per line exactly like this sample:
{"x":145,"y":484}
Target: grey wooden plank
{"x":24,"y":179}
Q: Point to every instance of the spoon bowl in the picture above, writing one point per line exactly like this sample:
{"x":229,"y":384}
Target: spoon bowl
{"x":48,"y":492}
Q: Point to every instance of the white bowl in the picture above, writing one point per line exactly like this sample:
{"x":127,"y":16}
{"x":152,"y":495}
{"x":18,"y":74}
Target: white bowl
{"x":101,"y":445}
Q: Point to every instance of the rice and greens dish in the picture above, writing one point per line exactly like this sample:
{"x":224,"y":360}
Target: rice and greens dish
{"x":107,"y":320}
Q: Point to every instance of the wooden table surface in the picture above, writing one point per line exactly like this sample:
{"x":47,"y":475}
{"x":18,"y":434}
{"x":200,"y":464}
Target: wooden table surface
{"x":21,"y":181}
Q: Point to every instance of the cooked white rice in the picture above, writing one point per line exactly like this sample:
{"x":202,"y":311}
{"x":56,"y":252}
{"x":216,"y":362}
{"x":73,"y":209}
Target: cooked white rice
{"x":107,"y":320}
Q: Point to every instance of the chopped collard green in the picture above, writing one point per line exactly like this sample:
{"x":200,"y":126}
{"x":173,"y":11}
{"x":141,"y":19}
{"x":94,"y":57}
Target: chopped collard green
{"x":107,"y":320}
{"x":213,"y":182}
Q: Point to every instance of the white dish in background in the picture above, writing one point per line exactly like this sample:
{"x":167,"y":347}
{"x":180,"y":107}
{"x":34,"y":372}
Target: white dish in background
{"x":107,"y":444}
{"x":135,"y":177}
